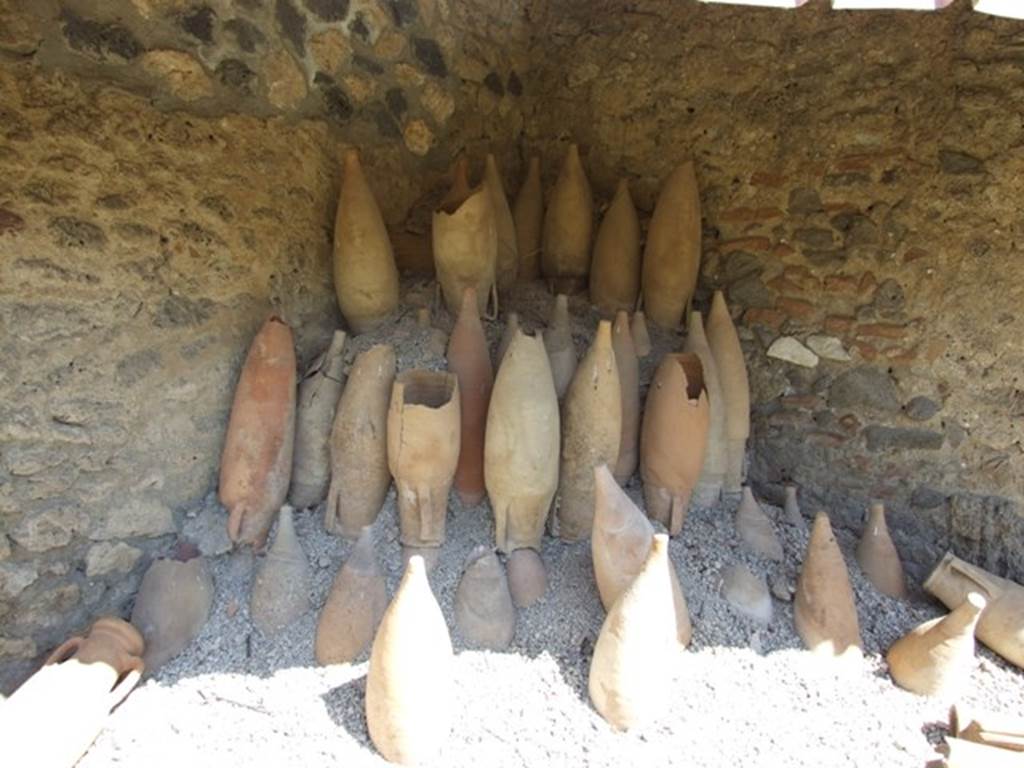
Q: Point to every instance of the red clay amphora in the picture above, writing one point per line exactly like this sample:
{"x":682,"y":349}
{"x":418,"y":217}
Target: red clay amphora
{"x":319,"y":391}
{"x":673,"y":438}
{"x":672,"y":251}
{"x":629,"y":392}
{"x":171,"y":607}
{"x":878,"y":557}
{"x":568,"y":223}
{"x":507,"y":266}
{"x":590,"y":434}
{"x":359,"y":447}
{"x":732,"y":373}
{"x":53,"y":718}
{"x":712,"y":473}
{"x":280,"y":589}
{"x":528,"y":215}
{"x":256,"y":464}
{"x":365,"y":276}
{"x":423,"y":451}
{"x":559,"y":345}
{"x":470,"y":360}
{"x":465,"y":239}
{"x":354,"y":606}
{"x":1001,"y":626}
{"x":615,"y":271}
{"x":483,"y":604}
{"x":409,"y":687}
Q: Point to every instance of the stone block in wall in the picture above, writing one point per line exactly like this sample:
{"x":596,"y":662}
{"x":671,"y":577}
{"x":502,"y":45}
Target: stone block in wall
{"x":864,"y":387}
{"x":882,"y":438}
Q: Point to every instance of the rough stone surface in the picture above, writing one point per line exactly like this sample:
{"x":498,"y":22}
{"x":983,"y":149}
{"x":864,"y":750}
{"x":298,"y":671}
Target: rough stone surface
{"x":828,"y":347}
{"x":791,"y":350}
{"x":106,"y":558}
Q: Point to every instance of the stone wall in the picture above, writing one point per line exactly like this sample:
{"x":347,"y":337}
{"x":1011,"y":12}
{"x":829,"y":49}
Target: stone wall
{"x":861,"y":175}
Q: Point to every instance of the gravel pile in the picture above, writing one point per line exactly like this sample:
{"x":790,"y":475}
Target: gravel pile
{"x":743,"y":693}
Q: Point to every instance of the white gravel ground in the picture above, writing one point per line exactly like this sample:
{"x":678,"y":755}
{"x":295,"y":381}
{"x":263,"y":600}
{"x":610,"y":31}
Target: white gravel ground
{"x":742,"y":694}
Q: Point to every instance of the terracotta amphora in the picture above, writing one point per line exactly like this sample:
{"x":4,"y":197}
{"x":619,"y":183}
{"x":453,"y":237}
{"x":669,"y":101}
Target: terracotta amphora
{"x":527,"y":579}
{"x":732,"y":373}
{"x":558,"y":343}
{"x":507,"y":266}
{"x":280,"y":590}
{"x":994,"y":729}
{"x":878,"y":557}
{"x":568,"y":222}
{"x":528,"y":215}
{"x":590,"y":434}
{"x":354,"y":606}
{"x":712,"y":473}
{"x":171,"y":607}
{"x":483,"y":604}
{"x":521,"y":449}
{"x":747,"y":593}
{"x":511,"y":326}
{"x":319,"y":391}
{"x":365,"y":276}
{"x":53,"y":718}
{"x":423,"y":451}
{"x":673,"y":438}
{"x":755,"y":529}
{"x":409,"y":686}
{"x":465,"y":241}
{"x":641,"y":337}
{"x":629,"y":391}
{"x":460,"y":189}
{"x":359,"y":447}
{"x":615,"y":271}
{"x":672,"y":252}
{"x":256,"y":464}
{"x":936,"y":658}
{"x":791,"y":507}
{"x":1001,"y":626}
{"x":963,"y":753}
{"x":630,"y":673}
{"x":620,"y":543}
{"x":824,"y":610}
{"x":470,"y":360}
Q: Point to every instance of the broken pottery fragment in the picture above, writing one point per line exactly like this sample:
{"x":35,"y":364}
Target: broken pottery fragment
{"x":747,"y":593}
{"x":171,"y":607}
{"x":527,"y":580}
{"x":483,"y":604}
{"x":280,"y":590}
{"x":629,"y":392}
{"x":558,"y":343}
{"x":528,"y":214}
{"x":568,"y":222}
{"x":878,"y":557}
{"x":732,"y":373}
{"x":615,"y":272}
{"x":712,"y":473}
{"x":755,"y":529}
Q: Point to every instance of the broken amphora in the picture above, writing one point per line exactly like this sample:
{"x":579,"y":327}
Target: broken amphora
{"x":171,"y":607}
{"x":465,"y":239}
{"x":483,"y":604}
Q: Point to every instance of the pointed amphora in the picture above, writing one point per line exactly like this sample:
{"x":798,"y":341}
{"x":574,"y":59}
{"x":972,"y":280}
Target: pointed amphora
{"x":171,"y":607}
{"x":483,"y":604}
{"x":672,"y":252}
{"x":280,"y":590}
{"x":319,"y":391}
{"x":935,"y":658}
{"x":878,"y":557}
{"x":256,"y":464}
{"x":629,"y":391}
{"x":365,"y":276}
{"x":511,"y":327}
{"x":630,"y":673}
{"x":359,"y":449}
{"x":527,"y":579}
{"x":620,"y":543}
{"x":528,"y":215}
{"x":824,"y":609}
{"x":732,"y":373}
{"x":615,"y":271}
{"x":641,"y":337}
{"x":507,"y":266}
{"x":409,"y":686}
{"x":712,"y":473}
{"x":755,"y":529}
{"x":558,"y":343}
{"x":590,"y":436}
{"x":568,"y":223}
{"x":354,"y":606}
{"x":1001,"y":626}
{"x":465,"y":239}
{"x":673,"y":438}
{"x":747,"y":593}
{"x":423,"y":451}
{"x":791,"y":508}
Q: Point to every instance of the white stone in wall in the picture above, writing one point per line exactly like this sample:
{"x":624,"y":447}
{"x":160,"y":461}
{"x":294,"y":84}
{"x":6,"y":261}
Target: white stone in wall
{"x":792,"y":351}
{"x":828,"y":347}
{"x":15,"y":577}
{"x":111,"y":558}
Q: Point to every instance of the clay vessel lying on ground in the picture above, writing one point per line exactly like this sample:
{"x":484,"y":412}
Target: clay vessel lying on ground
{"x":528,"y":214}
{"x":755,"y":529}
{"x":558,"y":343}
{"x":354,"y":606}
{"x":409,"y":684}
{"x":53,"y":718}
{"x":673,"y":438}
{"x":319,"y":391}
{"x":280,"y":590}
{"x":1001,"y":626}
{"x":732,"y":373}
{"x":511,"y":326}
{"x":630,"y":673}
{"x":994,"y":729}
{"x":171,"y":607}
{"x":672,"y":252}
{"x":256,"y":463}
{"x":507,"y":265}
{"x":359,"y":447}
{"x":365,"y":276}
{"x":615,"y":271}
{"x":423,"y":451}
{"x":824,"y":609}
{"x":590,"y":434}
{"x":568,"y":222}
{"x":962,"y":753}
{"x":936,"y":658}
{"x":878,"y":557}
{"x":629,"y":391}
{"x":465,"y":241}
{"x":712,"y":473}
{"x":470,"y":360}
{"x":483,"y":604}
{"x":641,"y":338}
